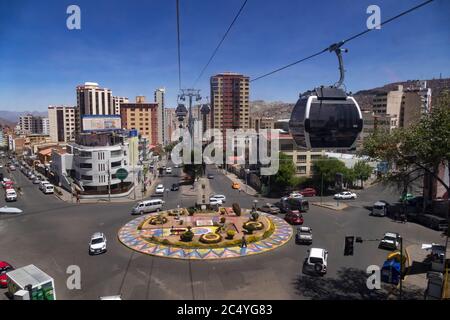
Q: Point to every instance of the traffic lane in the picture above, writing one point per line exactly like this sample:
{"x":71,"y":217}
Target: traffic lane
{"x":59,"y":239}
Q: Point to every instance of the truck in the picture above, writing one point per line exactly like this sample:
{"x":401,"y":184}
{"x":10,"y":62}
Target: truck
{"x":30,"y":283}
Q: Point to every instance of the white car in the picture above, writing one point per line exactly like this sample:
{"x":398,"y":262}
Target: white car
{"x":169,"y":170}
{"x":295,"y":195}
{"x":10,"y":195}
{"x":97,"y":244}
{"x":215,"y":201}
{"x":218,"y":197}
{"x":48,"y":189}
{"x":7,"y":209}
{"x":42,"y":183}
{"x":159,"y":189}
{"x":316,"y":261}
{"x":345,"y":195}
{"x":390,"y":241}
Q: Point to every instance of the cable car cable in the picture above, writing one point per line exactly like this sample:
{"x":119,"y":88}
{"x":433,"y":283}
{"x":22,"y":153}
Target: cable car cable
{"x":333,"y":46}
{"x":220,"y":42}
{"x":178,"y":43}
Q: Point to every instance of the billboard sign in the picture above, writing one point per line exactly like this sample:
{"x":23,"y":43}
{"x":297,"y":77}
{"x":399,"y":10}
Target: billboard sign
{"x":101,"y":123}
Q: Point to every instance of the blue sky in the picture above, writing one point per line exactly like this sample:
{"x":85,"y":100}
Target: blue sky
{"x":130,"y":46}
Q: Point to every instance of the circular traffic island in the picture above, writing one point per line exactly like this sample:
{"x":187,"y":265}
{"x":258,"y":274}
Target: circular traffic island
{"x":213,"y":234}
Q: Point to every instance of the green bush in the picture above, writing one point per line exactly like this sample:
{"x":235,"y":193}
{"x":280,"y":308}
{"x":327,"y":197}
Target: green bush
{"x":187,"y":236}
{"x":222,"y":220}
{"x":191,"y":211}
{"x":237,"y":209}
{"x":231,"y":234}
{"x":166,"y":242}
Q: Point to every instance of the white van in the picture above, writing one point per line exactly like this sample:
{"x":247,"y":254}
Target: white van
{"x":148,"y":206}
{"x":48,"y":188}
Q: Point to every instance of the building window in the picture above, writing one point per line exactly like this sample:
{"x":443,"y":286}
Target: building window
{"x":85,"y":165}
{"x":301,"y":159}
{"x":85,"y":154}
{"x":116,"y":164}
{"x":116,"y":153}
{"x":301,"y":170}
{"x":88,"y":178}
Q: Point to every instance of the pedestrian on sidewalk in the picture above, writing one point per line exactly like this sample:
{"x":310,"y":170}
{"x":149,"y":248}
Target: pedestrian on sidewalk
{"x":78,"y":197}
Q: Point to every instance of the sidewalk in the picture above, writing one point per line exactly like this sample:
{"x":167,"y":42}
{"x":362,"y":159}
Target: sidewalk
{"x":68,"y":197}
{"x":417,"y":271}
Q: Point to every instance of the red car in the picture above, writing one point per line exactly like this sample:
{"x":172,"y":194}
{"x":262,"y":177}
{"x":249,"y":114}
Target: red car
{"x":308,"y":192}
{"x":4,"y":268}
{"x":294,"y":217}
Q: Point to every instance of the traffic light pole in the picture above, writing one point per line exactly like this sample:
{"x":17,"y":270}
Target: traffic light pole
{"x":360,"y":240}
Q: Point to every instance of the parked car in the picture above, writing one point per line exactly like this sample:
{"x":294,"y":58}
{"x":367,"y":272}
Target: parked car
{"x":294,"y":217}
{"x":379,"y":209}
{"x":235,"y":185}
{"x":175,"y":187}
{"x":303,"y":235}
{"x":168,"y":170}
{"x":36,"y":180}
{"x":42,"y":183}
{"x":390,"y":241}
{"x":148,"y":206}
{"x":220,"y":197}
{"x":97,"y":245}
{"x":10,"y":195}
{"x":12,"y":168}
{"x":48,"y":189}
{"x":4,"y":268}
{"x":317,"y":261}
{"x":210,"y":176}
{"x":406,"y":197}
{"x":345,"y":195}
{"x":269,"y":208}
{"x":159,"y":189}
{"x":308,"y":192}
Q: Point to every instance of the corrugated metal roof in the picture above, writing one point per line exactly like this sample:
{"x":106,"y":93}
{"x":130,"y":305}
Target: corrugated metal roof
{"x":29,"y":275}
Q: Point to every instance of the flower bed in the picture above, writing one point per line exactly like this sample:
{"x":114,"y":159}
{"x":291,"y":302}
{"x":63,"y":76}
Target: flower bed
{"x":210,"y":238}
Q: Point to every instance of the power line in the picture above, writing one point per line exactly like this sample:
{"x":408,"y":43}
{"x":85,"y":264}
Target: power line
{"x":178,"y":43}
{"x":220,"y":42}
{"x":344,"y":41}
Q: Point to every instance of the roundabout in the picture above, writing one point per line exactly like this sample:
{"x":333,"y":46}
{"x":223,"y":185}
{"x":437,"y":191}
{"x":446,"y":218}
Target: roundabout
{"x":205,"y":235}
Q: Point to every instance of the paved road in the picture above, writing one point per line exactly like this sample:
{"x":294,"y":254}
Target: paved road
{"x":53,"y":235}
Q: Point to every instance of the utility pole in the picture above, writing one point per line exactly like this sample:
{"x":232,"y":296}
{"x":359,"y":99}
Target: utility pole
{"x":190,"y":93}
{"x":109,"y":181}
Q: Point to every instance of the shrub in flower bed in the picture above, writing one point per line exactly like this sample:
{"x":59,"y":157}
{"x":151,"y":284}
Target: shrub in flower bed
{"x":237,"y":209}
{"x":251,"y":226}
{"x":210,"y":238}
{"x":157,"y":220}
{"x":231,"y":234}
{"x":187,"y":236}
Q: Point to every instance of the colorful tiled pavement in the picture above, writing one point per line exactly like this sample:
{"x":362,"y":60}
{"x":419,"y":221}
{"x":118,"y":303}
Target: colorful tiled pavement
{"x":130,"y":237}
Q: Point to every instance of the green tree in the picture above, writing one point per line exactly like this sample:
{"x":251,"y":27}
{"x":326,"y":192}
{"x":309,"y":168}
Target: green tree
{"x":349,"y":177}
{"x":193,"y":169}
{"x":362,"y":171}
{"x":286,"y":172}
{"x":327,"y":169}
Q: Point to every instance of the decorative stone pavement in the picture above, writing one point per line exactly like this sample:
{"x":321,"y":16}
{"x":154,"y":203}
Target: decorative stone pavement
{"x":131,"y":237}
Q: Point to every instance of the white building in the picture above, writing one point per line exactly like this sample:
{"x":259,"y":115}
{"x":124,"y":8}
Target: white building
{"x":92,"y":164}
{"x":116,"y":103}
{"x":45,"y":126}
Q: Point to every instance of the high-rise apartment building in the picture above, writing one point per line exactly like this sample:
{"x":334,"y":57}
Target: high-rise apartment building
{"x":162,"y":129}
{"x":116,"y":103}
{"x":141,"y":116}
{"x":29,"y":124}
{"x":93,"y":100}
{"x":229,"y":102}
{"x":390,"y":103}
{"x":62,"y":123}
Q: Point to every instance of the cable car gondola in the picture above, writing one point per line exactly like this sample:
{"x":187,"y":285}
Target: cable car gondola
{"x":326,"y":117}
